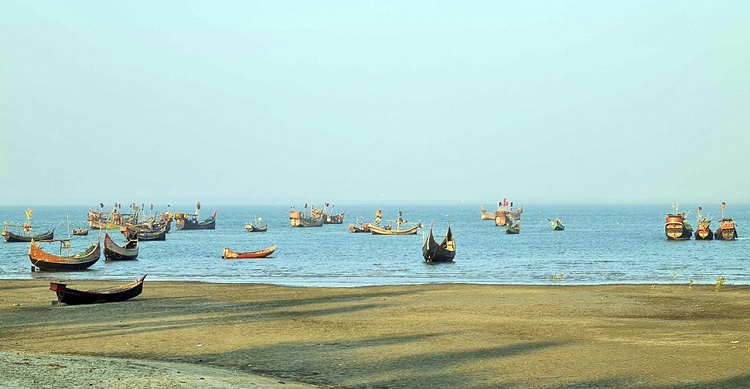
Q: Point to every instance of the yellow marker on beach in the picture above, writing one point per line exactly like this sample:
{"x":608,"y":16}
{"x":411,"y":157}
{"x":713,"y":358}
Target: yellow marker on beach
{"x":718,"y":283}
{"x":690,"y":285}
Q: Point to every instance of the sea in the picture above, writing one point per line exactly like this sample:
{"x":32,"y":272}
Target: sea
{"x":601,"y":244}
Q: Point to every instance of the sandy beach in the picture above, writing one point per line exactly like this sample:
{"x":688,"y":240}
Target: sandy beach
{"x":185,"y":335}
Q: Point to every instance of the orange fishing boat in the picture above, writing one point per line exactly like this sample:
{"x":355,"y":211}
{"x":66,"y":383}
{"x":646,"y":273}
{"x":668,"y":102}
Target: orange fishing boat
{"x":229,"y":254}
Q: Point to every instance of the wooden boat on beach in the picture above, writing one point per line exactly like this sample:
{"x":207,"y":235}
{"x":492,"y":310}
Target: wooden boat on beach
{"x":557,"y":225}
{"x":703,"y":229}
{"x":402,"y":227}
{"x":434,"y":252}
{"x":70,"y":296}
{"x":677,"y":227}
{"x":115,"y":252}
{"x":51,"y":262}
{"x":229,"y":254}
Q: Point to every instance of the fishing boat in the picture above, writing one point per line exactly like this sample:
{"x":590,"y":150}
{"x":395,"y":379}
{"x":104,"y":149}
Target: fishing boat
{"x":359,"y":227}
{"x":101,"y":220}
{"x":26,"y":236}
{"x":25,"y":231}
{"x":151,"y":235}
{"x":511,"y":228}
{"x":191,"y":221}
{"x":330,"y":218}
{"x":727,"y":229}
{"x":115,"y":252}
{"x":703,"y":230}
{"x":505,"y":212}
{"x":153,"y":223}
{"x":486,"y":215}
{"x":676,"y":226}
{"x":229,"y":254}
{"x":50,"y":262}
{"x":402,"y":227}
{"x":70,"y":296}
{"x":306,"y":219}
{"x":80,"y":232}
{"x":445,"y":251}
{"x":557,"y":225}
{"x":256,"y":226}
{"x":501,"y":218}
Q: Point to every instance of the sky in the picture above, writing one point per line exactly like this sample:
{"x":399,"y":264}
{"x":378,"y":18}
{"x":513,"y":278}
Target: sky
{"x":286,"y":102}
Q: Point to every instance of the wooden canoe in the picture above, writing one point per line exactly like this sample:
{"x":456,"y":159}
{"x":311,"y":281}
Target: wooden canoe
{"x":50,"y":262}
{"x":375,"y":230}
{"x":115,"y":252}
{"x":11,"y":237}
{"x":80,"y":232}
{"x":70,"y":296}
{"x":445,"y":251}
{"x":229,"y":254}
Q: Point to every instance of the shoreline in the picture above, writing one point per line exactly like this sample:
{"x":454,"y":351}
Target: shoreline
{"x":416,"y":336}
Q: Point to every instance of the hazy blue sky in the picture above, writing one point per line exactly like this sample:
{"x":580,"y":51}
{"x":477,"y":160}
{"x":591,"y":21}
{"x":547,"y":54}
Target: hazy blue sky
{"x":382,"y":101}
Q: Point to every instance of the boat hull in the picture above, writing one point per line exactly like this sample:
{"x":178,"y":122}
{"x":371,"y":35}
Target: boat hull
{"x":513,"y":229}
{"x":15,"y":238}
{"x":704,"y":234}
{"x":50,"y":262}
{"x":677,"y":228}
{"x":434,"y":252}
{"x":72,"y":296}
{"x":115,"y":252}
{"x":385,"y":231}
{"x":229,"y":254}
{"x":726,"y":234}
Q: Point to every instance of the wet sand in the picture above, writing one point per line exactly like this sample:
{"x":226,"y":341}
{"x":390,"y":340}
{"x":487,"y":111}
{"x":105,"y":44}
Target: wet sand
{"x":419,"y":336}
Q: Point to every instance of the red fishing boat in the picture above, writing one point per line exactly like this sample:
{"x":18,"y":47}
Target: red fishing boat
{"x":51,"y":262}
{"x":229,"y":254}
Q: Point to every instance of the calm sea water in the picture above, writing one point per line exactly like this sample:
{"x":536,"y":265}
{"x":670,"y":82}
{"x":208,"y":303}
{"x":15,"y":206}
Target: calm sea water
{"x":602,"y":244}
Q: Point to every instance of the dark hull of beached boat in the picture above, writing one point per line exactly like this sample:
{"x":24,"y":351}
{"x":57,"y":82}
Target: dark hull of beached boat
{"x":70,"y":296}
